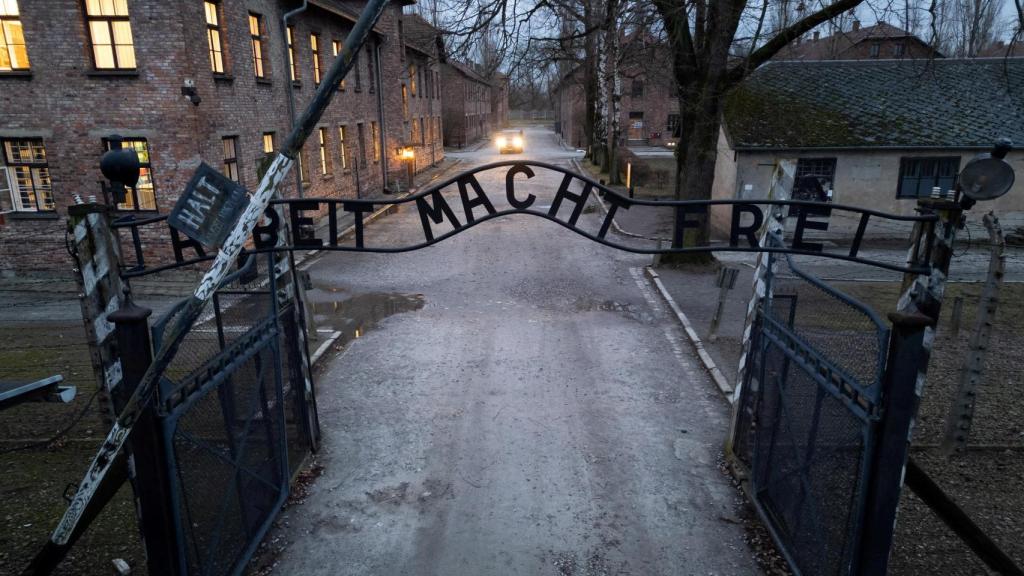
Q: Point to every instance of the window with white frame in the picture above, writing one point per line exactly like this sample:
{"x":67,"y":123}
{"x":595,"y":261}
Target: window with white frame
{"x":29,"y":175}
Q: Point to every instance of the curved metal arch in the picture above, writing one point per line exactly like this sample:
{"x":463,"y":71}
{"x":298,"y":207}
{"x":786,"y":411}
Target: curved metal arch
{"x":441,"y":212}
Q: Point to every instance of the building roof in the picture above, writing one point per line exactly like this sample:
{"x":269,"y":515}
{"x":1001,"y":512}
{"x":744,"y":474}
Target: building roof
{"x":420,"y":35}
{"x":468,"y":71}
{"x":943,"y":103}
{"x":834,"y":47}
{"x":347,"y":12}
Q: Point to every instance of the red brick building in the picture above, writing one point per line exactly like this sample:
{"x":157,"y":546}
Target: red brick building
{"x":466,"y":104}
{"x":649,"y":107}
{"x":421,"y":90}
{"x":185,"y":81}
{"x":881,"y":41}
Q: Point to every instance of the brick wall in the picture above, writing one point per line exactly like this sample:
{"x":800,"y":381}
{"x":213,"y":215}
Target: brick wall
{"x":466,"y":106}
{"x":70,"y":105}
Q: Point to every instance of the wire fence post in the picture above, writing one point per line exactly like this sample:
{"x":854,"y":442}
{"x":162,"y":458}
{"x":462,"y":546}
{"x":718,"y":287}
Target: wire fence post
{"x":910,"y":347}
{"x":96,"y":270}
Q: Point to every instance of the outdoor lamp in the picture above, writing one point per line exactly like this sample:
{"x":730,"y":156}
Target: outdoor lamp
{"x":987,"y":176}
{"x":121,"y":166}
{"x":408,"y":153}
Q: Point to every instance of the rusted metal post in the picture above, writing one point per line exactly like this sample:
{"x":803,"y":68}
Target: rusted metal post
{"x":961,"y":412}
{"x":910,"y":346}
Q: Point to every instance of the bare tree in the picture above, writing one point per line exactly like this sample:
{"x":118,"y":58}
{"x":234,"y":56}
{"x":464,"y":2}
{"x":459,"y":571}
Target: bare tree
{"x":965,"y":28}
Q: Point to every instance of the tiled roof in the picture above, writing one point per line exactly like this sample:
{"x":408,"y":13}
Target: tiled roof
{"x":420,"y":34}
{"x":468,"y":71}
{"x":944,"y":103}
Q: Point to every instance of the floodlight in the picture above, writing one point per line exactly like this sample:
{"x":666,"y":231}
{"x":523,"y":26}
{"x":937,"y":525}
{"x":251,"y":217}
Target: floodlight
{"x":987,"y":176}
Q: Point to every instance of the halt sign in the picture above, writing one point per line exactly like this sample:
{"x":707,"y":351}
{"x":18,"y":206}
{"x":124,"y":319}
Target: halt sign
{"x":209,"y":208}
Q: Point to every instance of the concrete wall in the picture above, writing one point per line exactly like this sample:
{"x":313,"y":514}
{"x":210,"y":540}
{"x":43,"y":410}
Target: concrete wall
{"x":865,"y":179}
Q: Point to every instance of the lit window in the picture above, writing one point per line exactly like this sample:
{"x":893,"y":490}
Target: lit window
{"x":325,"y":158}
{"x":405,"y":101}
{"x":256,"y":34}
{"x":268,"y":142}
{"x":291,"y":54}
{"x":414,"y":130}
{"x":335,"y":49}
{"x":314,"y":43}
{"x":13,"y":55}
{"x":31,"y":190}
{"x":230,"y":144}
{"x":301,"y":159}
{"x":213,"y":37}
{"x":412,"y":78}
{"x":375,"y":134}
{"x":143,"y":197}
{"x":111,"y":34}
{"x":342,"y":151}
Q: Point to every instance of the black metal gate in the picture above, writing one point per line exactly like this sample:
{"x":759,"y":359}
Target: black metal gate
{"x":808,"y":415}
{"x":235,"y":419}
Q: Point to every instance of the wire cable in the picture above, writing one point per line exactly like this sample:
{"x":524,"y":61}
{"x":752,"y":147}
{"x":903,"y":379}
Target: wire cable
{"x":55,"y":437}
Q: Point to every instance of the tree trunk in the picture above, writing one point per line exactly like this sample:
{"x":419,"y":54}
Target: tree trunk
{"x":590,"y":80}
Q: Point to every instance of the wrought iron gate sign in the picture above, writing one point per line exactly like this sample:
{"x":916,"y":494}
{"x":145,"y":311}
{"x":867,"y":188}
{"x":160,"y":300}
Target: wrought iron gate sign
{"x":442,"y":218}
{"x":209,"y":208}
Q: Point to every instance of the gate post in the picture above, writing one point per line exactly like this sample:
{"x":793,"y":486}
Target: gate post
{"x":119,"y":346}
{"x":910,"y":348}
{"x":151,"y":479}
{"x":97,"y":261}
{"x":774,"y":225}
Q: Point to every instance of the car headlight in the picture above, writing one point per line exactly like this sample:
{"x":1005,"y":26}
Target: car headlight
{"x":501,"y":142}
{"x":517,"y":142}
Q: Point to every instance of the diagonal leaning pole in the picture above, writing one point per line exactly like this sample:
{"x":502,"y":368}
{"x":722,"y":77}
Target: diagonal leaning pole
{"x":99,"y":477}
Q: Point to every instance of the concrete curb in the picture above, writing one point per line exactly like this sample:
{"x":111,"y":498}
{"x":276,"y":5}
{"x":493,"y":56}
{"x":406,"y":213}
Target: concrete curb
{"x":322,"y":349}
{"x":723,"y":385}
{"x":615,"y":225}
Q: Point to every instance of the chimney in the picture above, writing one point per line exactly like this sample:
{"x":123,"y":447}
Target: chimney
{"x":816,"y":34}
{"x":856,"y":25}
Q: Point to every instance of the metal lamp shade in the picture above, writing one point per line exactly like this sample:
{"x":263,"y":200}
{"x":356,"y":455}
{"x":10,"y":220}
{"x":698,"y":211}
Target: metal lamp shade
{"x":986,"y":178}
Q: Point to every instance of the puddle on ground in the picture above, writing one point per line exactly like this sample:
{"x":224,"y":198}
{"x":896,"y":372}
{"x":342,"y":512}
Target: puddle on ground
{"x":631,"y":311}
{"x":357,"y":314}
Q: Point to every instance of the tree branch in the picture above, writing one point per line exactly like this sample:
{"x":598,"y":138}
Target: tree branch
{"x":789,"y":34}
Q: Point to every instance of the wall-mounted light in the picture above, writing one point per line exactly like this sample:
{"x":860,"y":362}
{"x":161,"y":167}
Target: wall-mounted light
{"x":188,"y":90}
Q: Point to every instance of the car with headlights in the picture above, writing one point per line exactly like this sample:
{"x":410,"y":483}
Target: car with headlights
{"x":509,"y":141}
